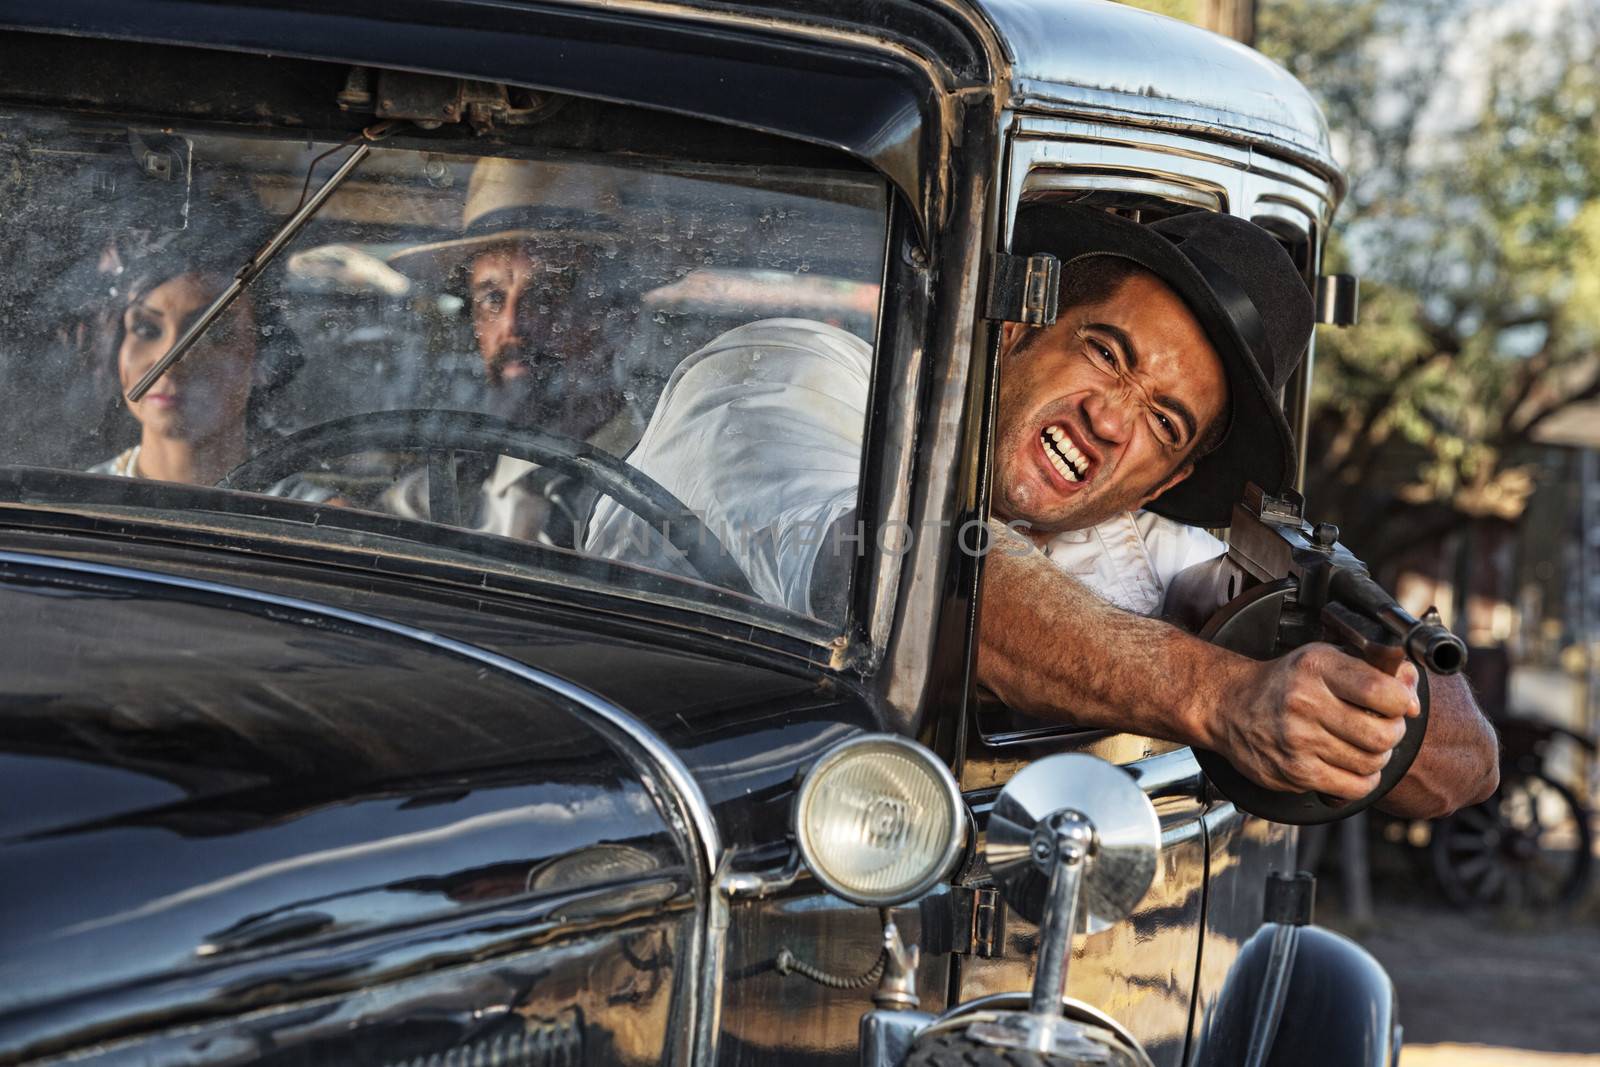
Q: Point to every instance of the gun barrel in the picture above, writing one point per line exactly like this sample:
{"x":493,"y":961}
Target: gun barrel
{"x":1441,"y":651}
{"x":1435,"y":647}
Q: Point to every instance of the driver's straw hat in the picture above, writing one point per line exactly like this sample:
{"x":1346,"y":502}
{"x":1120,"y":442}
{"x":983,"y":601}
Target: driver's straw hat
{"x":515,"y":201}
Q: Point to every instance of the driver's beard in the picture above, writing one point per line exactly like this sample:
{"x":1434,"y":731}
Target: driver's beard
{"x":555,"y":396}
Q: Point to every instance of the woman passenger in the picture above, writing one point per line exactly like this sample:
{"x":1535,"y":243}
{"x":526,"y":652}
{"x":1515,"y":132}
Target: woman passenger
{"x":192,"y":421}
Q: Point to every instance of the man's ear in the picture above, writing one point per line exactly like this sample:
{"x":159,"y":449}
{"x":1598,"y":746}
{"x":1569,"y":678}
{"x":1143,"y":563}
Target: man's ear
{"x":1010,"y":334}
{"x":1185,"y":469}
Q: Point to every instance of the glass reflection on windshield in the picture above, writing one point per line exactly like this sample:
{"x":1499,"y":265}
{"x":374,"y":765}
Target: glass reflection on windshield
{"x":550,"y":295}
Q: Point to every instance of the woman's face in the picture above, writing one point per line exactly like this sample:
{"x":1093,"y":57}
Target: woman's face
{"x":205,"y":393}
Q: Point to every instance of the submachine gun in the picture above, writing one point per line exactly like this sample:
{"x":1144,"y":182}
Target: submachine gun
{"x":1285,"y":583}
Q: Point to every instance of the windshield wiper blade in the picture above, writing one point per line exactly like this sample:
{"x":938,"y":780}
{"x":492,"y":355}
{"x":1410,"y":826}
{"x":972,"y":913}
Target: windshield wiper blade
{"x":258,"y":262}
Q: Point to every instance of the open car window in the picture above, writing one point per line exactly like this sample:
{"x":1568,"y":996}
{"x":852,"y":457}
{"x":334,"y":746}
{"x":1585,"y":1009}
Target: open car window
{"x":412,"y":358}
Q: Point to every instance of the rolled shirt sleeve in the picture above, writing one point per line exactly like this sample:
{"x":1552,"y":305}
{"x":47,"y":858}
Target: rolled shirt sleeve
{"x":758,"y":433}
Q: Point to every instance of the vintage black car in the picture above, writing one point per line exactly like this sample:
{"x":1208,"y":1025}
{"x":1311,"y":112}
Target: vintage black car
{"x":323,"y":737}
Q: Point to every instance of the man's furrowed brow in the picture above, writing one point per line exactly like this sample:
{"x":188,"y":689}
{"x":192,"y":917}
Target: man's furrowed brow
{"x":1130,"y":355}
{"x":1130,"y":360}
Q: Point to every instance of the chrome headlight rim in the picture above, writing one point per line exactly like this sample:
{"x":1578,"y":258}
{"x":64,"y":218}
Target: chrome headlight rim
{"x":938,"y":872}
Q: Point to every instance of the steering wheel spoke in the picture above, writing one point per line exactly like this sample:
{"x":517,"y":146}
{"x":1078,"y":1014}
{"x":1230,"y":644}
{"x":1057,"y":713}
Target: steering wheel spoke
{"x":444,"y":495}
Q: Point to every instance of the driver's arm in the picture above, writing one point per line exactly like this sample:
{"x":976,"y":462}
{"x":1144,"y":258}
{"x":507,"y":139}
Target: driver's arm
{"x":1050,"y":647}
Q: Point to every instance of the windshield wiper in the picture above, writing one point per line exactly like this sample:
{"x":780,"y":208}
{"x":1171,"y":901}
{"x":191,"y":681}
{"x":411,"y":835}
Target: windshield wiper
{"x":261,"y":260}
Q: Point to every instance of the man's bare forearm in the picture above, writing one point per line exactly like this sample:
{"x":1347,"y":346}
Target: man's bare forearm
{"x":1314,"y":719}
{"x":1049,"y":646}
{"x":1459,"y":763}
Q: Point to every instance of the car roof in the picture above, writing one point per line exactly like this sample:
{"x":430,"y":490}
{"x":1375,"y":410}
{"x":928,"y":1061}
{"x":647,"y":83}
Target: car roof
{"x":1104,"y":58}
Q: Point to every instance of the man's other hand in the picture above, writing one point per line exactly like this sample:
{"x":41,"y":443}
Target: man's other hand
{"x":1315,"y":719}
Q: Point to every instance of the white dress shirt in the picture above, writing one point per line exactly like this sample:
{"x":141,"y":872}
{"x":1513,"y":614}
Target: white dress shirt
{"x":759,"y":433}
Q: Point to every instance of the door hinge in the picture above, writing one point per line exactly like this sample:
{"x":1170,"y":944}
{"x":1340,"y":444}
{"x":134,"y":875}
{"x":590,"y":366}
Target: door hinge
{"x":1023,"y":289}
{"x":980,"y":923}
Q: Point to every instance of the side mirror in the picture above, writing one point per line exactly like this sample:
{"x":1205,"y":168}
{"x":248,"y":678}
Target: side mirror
{"x":1074,"y":845}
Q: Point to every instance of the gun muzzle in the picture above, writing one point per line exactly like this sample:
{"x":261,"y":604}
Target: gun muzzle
{"x":1436,"y":648}
{"x":1429,"y":643}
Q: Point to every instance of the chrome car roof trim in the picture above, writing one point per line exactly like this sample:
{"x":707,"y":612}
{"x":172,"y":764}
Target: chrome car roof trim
{"x":1106,"y":60}
{"x":659,"y":758}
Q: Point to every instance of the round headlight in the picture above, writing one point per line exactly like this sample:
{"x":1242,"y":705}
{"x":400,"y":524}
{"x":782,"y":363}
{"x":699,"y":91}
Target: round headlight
{"x":879,"y":820}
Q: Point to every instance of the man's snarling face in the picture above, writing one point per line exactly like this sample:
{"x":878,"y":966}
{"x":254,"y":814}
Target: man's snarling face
{"x":1101,"y":412}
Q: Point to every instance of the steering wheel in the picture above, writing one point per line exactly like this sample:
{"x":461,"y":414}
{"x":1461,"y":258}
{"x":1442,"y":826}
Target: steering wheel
{"x":442,"y":433}
{"x":1248,"y":624}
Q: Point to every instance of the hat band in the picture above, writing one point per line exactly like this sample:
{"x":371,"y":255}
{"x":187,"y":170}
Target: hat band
{"x":1239,"y":308}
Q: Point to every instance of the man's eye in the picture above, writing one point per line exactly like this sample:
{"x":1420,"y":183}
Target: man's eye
{"x":145,"y":330}
{"x":1106,"y":355}
{"x":1168,"y":427}
{"x":493,"y":301}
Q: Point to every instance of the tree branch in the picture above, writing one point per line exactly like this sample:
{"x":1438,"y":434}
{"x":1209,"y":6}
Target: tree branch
{"x":1523,"y":433}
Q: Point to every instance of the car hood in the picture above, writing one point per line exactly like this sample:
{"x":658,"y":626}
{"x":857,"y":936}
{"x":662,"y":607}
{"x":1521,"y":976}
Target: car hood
{"x":192,"y":778}
{"x":212,"y":762}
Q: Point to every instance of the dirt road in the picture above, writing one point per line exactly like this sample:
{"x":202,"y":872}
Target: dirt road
{"x":1487,"y":1056}
{"x":1478,"y":980}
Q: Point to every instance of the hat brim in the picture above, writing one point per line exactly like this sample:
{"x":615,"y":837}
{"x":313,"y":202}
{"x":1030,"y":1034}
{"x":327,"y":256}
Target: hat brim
{"x":1258,"y":446}
{"x":435,"y":263}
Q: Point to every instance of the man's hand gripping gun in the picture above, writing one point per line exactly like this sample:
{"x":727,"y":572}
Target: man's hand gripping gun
{"x":1283,"y":584}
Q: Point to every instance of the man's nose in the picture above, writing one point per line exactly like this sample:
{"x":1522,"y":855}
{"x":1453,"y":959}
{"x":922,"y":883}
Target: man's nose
{"x":1110,"y":414}
{"x":527,"y":310}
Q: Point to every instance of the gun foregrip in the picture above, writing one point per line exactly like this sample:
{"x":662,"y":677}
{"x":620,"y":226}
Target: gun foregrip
{"x":1363,"y":637}
{"x":1425,"y":640}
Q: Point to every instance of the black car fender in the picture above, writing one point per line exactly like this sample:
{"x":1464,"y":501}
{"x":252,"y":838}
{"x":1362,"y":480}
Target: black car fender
{"x":1302,"y":996}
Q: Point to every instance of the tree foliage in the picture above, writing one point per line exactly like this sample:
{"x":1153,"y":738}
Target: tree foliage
{"x":1473,"y":143}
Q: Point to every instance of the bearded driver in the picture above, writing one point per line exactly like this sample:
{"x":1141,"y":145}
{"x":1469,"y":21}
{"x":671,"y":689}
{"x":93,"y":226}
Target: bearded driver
{"x":1134,"y":420}
{"x":530,"y":230}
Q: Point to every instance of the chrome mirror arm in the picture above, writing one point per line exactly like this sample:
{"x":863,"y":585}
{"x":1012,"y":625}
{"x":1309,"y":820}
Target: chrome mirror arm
{"x":1062,"y":848}
{"x":1073,"y":844}
{"x":1062,"y":845}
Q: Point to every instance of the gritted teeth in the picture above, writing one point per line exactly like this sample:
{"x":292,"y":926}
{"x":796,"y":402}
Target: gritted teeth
{"x":1063,"y":454}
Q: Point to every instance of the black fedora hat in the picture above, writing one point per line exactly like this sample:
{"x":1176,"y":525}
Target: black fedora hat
{"x":1255,"y":308}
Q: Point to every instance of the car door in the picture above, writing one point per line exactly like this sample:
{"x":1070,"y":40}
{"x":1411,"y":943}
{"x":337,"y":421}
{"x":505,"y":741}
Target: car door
{"x":1142,"y":971}
{"x":1156,"y":972}
{"x":1244,"y":850}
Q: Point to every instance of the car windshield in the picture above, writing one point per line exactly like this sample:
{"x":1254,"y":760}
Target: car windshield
{"x":456,"y":358}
